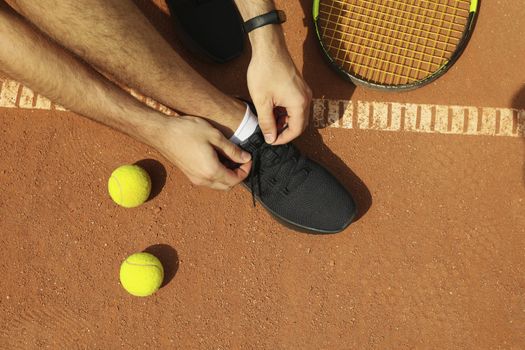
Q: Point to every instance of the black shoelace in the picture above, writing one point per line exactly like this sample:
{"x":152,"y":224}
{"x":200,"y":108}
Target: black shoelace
{"x":289,"y":172}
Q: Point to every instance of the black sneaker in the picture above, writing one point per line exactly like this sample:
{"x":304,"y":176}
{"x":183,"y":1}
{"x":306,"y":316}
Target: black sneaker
{"x":298,"y":192}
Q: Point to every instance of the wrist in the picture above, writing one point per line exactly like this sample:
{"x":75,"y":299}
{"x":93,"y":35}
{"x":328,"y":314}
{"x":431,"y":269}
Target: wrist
{"x":269,"y":38}
{"x":149,"y":128}
{"x":250,"y":9}
{"x":117,"y":109}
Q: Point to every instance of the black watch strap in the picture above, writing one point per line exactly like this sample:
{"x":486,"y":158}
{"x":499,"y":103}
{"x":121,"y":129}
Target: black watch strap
{"x":272,"y":17}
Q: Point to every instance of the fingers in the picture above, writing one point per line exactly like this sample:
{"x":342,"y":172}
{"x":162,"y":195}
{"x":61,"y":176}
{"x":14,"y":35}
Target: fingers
{"x":218,"y":175}
{"x":231,"y":177}
{"x":219,"y":187}
{"x":267,"y":121}
{"x":297,"y":122}
{"x":229,"y":149}
{"x":221,"y":178}
{"x":244,"y":170}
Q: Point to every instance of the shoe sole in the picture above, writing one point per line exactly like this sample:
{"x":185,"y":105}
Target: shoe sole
{"x":297,"y":227}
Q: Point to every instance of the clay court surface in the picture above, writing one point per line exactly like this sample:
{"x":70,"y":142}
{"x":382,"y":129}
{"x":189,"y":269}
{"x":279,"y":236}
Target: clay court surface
{"x":435,"y":261}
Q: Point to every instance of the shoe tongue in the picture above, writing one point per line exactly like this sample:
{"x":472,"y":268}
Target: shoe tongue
{"x":271,"y":155}
{"x":254,"y":142}
{"x":274,"y":155}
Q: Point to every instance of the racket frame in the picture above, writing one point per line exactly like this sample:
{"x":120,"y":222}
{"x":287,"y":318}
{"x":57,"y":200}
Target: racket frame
{"x":359,"y":80}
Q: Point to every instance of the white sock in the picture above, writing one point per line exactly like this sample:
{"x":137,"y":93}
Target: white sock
{"x":247,"y":128}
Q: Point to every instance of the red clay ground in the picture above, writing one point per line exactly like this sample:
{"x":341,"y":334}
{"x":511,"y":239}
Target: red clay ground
{"x":436,"y":262}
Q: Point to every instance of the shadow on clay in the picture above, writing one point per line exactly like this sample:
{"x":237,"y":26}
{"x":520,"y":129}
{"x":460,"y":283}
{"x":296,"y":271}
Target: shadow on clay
{"x":315,"y":69}
{"x":168,"y":257}
{"x":313,"y":145}
{"x":157,"y":173}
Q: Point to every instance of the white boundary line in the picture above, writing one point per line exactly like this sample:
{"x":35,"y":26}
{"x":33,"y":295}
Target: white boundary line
{"x":347,"y":114}
{"x":425,"y":118}
{"x":15,"y":95}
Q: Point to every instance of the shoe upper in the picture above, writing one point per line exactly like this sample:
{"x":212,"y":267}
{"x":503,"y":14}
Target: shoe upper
{"x":297,"y":189}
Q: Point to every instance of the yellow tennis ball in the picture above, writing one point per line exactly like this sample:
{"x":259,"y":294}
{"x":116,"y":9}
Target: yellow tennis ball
{"x":141,"y":274}
{"x":129,"y":186}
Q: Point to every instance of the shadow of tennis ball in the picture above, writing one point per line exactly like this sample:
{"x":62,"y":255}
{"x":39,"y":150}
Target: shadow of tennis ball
{"x":157,"y":173}
{"x":168,"y":257}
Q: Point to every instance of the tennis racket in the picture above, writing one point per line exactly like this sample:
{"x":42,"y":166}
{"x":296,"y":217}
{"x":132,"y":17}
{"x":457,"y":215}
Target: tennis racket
{"x":393,"y":44}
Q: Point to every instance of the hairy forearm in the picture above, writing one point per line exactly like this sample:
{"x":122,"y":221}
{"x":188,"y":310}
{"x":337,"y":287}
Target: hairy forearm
{"x":29,"y":57}
{"x":115,"y":37}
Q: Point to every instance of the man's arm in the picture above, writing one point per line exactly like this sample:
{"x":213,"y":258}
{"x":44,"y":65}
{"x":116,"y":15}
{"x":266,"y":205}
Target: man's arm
{"x":253,"y":8}
{"x":273,"y":79}
{"x":32,"y":59}
{"x":190,"y":143}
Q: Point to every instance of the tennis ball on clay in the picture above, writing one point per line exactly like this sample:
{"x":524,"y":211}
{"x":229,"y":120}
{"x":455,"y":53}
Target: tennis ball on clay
{"x":129,"y":186}
{"x":141,"y":274}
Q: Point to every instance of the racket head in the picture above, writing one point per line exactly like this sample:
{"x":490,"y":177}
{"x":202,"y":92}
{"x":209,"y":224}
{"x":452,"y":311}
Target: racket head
{"x":327,"y":28}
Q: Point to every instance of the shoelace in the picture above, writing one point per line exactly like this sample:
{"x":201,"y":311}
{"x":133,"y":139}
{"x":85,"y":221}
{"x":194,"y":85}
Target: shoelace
{"x":254,"y":171}
{"x":256,"y":161}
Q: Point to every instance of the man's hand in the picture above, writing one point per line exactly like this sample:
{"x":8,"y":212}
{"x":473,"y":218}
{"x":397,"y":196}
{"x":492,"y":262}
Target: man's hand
{"x":193,"y":145}
{"x":274,"y":81}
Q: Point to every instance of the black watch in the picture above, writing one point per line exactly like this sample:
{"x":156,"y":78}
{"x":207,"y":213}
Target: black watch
{"x":272,"y":17}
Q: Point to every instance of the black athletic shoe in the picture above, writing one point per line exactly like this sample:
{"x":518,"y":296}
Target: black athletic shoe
{"x":298,"y":192}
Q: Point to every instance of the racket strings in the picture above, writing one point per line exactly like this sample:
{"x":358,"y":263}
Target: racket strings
{"x":387,"y":23}
{"x":371,"y":15}
{"x":368,"y":15}
{"x":381,"y":34}
{"x":392,"y":42}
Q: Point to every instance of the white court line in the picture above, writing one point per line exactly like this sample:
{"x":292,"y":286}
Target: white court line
{"x":424,"y":118}
{"x":15,"y":95}
{"x":346,"y":114}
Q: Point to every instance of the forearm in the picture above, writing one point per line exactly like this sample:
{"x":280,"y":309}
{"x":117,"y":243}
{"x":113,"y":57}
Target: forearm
{"x":270,"y":57}
{"x":115,"y":37}
{"x":29,"y":57}
{"x":252,"y":8}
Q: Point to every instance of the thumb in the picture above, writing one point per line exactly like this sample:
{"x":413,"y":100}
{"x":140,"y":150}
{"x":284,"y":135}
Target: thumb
{"x":267,"y":121}
{"x":231,"y":150}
